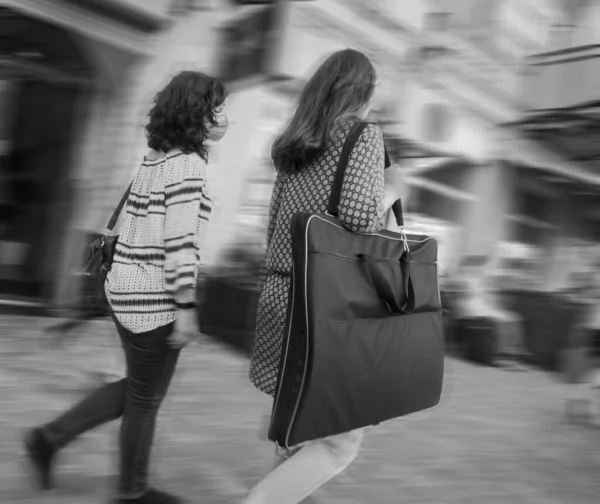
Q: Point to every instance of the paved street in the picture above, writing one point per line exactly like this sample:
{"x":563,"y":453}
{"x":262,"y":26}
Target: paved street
{"x":498,"y":437}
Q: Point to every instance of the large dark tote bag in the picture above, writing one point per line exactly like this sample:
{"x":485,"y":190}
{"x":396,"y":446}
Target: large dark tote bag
{"x":363,"y":339}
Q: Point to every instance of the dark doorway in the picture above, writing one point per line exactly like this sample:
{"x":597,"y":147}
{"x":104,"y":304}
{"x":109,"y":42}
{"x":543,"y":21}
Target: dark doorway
{"x":48,"y":79}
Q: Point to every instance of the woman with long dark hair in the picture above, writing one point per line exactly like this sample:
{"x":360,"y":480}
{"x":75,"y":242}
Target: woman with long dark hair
{"x":305,"y":157}
{"x":151,"y":284}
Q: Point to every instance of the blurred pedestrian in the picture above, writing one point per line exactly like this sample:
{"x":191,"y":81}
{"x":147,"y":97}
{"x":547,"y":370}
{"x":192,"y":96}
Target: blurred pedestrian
{"x":305,"y":156}
{"x":151,"y":285}
{"x":512,"y":350}
{"x":479,"y":295}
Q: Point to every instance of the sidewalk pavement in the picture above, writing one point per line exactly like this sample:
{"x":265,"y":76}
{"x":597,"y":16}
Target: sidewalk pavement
{"x":497,"y":437}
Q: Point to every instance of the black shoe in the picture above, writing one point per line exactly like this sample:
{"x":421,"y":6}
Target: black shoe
{"x":151,"y":497}
{"x":40,"y":454}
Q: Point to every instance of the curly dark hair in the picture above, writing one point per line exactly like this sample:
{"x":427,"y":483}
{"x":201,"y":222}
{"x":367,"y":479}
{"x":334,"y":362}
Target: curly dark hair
{"x":180,"y":113}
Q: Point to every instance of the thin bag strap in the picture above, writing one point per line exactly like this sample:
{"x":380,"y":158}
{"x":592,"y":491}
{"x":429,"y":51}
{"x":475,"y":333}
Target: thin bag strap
{"x":115,"y":216}
{"x":397,"y":206}
{"x":336,"y":188}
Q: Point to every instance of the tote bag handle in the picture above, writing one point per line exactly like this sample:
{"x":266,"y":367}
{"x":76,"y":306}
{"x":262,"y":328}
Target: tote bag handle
{"x":336,"y":188}
{"x":384,"y":287}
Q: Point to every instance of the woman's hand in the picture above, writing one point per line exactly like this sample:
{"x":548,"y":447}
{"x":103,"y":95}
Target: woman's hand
{"x":185,"y":328}
{"x":395,"y":185}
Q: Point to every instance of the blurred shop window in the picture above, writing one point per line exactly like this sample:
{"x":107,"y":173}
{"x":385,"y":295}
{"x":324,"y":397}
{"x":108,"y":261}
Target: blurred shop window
{"x":437,"y":17}
{"x":533,"y":205}
{"x":6,"y":113}
{"x":482,"y":20}
{"x":527,"y":232}
{"x":531,"y":221}
{"x":559,"y":37}
{"x":7,"y":110}
{"x":183,"y":6}
{"x":596,"y":232}
{"x":247,"y":45}
{"x":482,"y":13}
{"x":242,"y":3}
{"x":252,"y":2}
{"x":437,"y":21}
{"x":437,"y":123}
{"x":433,"y":205}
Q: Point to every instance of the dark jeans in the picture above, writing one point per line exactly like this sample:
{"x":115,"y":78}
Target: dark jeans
{"x":137,"y":398}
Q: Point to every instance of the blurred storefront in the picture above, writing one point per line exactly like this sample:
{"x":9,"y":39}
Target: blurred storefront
{"x":57,"y":60}
{"x":497,"y":187}
{"x":561,"y":191}
{"x":451,"y":87}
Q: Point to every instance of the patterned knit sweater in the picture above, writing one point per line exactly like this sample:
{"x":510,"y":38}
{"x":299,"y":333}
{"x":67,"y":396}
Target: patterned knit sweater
{"x":158,"y":251}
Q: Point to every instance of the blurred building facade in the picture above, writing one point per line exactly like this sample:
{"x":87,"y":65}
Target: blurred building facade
{"x":561,"y":86}
{"x":465,"y":80}
{"x":456,"y":84}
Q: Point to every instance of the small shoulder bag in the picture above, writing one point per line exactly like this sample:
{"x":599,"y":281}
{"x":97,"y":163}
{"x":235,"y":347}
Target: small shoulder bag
{"x":100,"y":255}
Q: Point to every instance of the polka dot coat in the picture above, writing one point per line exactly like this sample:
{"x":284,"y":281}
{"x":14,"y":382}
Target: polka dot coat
{"x":360,"y":210}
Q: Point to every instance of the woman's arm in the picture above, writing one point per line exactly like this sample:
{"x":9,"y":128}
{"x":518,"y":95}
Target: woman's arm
{"x":273,"y":212}
{"x":395,"y":186}
{"x":184,"y":197}
{"x":274,"y":205}
{"x":362,"y":200}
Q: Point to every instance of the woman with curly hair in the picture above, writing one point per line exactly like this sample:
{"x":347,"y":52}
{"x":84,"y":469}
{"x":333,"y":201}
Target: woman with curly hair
{"x":151,"y":285}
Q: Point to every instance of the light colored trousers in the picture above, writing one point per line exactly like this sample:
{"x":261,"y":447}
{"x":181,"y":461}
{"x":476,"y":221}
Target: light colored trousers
{"x":298,"y":474}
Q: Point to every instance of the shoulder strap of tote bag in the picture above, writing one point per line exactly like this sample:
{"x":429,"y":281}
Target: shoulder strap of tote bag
{"x":336,"y":189}
{"x":115,"y":216}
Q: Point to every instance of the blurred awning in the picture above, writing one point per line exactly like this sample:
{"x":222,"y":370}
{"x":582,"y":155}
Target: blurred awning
{"x":126,"y":24}
{"x":572,"y":130}
{"x":18,"y":67}
{"x":564,"y":77}
{"x":251,"y":41}
{"x":32,"y":48}
{"x":144,"y":15}
{"x":450,"y":192}
{"x":561,"y":87}
{"x":404,"y":148}
{"x":286,"y":85}
{"x":561,"y":142}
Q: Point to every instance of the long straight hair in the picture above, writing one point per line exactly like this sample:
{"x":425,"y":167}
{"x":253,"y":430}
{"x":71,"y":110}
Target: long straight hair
{"x":342,"y":85}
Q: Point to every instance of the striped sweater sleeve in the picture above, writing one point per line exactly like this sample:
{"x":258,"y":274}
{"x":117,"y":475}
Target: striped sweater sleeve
{"x":184,"y":197}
